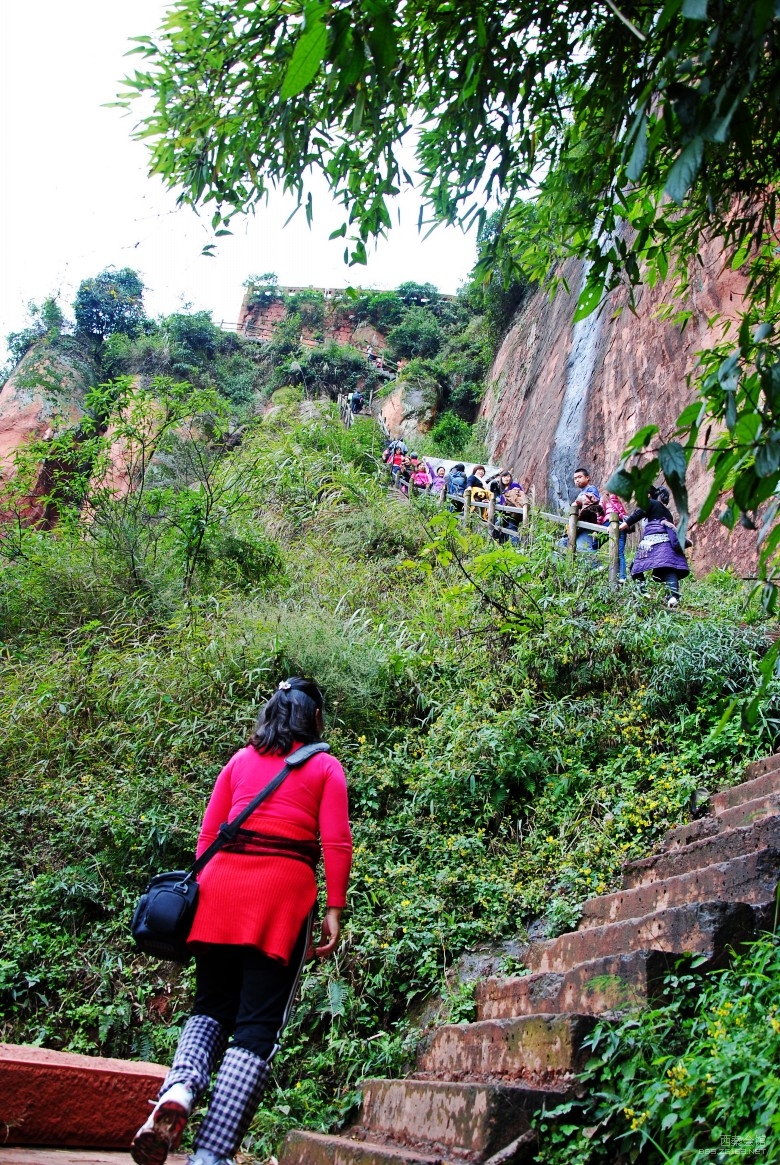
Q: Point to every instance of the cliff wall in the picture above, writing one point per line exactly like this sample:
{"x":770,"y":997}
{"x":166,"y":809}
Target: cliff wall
{"x":42,"y":397}
{"x":562,"y":394}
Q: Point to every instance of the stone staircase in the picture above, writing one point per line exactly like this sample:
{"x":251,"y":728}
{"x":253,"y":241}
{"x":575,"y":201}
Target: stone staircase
{"x":711,"y":885}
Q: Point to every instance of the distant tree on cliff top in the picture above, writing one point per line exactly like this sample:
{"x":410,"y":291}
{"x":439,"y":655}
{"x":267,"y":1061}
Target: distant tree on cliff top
{"x":110,"y":302}
{"x":46,"y":324}
{"x":640,"y":130}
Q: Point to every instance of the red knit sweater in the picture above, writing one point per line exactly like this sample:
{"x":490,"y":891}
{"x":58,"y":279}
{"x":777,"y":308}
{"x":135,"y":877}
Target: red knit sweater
{"x":263,"y":900}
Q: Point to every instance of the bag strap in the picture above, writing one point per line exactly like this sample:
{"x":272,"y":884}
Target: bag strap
{"x":229,"y":829}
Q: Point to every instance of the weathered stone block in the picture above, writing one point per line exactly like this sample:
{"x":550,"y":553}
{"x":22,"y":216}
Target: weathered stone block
{"x":526,"y":1046}
{"x":766,"y":780}
{"x":744,"y":813}
{"x":749,"y":878}
{"x":757,"y":767}
{"x":615,"y":983}
{"x":720,"y":847}
{"x":476,"y":1118}
{"x":303,"y":1148}
{"x":28,"y":1156}
{"x":699,"y":928}
{"x":65,"y":1100}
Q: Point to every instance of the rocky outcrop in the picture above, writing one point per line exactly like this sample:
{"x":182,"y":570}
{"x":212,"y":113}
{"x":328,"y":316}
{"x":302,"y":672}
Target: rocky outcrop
{"x":258,"y":319}
{"x":409,"y":410}
{"x":43,"y":397}
{"x":563,"y":393}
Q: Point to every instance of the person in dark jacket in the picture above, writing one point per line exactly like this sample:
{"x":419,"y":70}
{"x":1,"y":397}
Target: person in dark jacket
{"x":455,"y":483}
{"x":476,"y":479}
{"x":659,"y":551}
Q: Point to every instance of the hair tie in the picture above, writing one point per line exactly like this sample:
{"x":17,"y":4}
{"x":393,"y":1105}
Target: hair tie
{"x":284,"y":686}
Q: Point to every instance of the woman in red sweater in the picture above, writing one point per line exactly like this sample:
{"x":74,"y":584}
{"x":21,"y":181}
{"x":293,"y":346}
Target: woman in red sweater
{"x":253,"y":927}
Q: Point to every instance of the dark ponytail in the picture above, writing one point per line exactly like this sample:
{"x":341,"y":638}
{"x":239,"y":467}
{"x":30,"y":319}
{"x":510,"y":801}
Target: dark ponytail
{"x":290,"y":715}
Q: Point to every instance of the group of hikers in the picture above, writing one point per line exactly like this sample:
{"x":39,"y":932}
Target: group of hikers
{"x":659,"y":552}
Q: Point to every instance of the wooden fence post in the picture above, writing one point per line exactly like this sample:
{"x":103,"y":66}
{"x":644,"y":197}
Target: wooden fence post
{"x":571,"y":547}
{"x":467,"y":507}
{"x":614,"y":546}
{"x":491,"y":514}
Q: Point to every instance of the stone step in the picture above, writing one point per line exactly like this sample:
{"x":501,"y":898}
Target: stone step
{"x":750,"y":878}
{"x":478,"y":1119}
{"x":529,"y":1047}
{"x":745,"y":813}
{"x":612,"y":984}
{"x":708,"y":851}
{"x":696,"y":928}
{"x":305,"y":1148}
{"x":761,"y":778}
{"x":107,"y":1099}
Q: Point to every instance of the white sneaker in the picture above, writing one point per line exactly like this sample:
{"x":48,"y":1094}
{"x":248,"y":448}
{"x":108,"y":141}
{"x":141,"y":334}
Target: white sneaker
{"x":206,"y":1157}
{"x":163,"y":1130}
{"x":672,"y":602}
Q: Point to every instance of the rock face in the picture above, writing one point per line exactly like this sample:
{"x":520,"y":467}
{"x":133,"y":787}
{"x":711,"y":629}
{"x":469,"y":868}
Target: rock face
{"x":43,"y":396}
{"x":258,"y":320}
{"x":45,"y":392}
{"x":562,"y":394}
{"x":408,"y":411}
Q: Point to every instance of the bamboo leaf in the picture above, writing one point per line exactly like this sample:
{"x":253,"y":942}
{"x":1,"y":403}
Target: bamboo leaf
{"x":305,"y":62}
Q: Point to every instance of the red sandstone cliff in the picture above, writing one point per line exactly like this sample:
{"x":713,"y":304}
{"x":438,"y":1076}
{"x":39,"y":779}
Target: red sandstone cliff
{"x":561,"y":394}
{"x":43,"y":396}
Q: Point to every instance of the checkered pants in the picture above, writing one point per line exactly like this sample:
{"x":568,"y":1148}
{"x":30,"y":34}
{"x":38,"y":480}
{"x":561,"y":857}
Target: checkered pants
{"x":239,"y":1086}
{"x":200,"y":1048}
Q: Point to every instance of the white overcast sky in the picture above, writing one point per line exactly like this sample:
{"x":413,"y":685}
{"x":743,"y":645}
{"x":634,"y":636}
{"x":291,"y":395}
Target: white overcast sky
{"x":75,"y":196}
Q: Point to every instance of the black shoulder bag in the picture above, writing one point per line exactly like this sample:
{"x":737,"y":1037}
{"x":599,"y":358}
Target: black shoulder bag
{"x":163,"y":918}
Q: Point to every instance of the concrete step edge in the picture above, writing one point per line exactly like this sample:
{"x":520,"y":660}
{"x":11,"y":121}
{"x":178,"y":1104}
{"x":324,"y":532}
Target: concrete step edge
{"x":742,"y":915}
{"x":768,"y":858}
{"x":391,"y":1154}
{"x":746,"y":839}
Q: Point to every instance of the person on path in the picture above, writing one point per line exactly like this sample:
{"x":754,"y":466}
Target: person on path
{"x":253,"y":926}
{"x":455,"y":484}
{"x":588,"y":503}
{"x":659,"y":551}
{"x":612,"y":504}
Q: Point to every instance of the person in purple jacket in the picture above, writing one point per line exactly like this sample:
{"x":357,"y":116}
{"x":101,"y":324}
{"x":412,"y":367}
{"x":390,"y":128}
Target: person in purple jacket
{"x":659,"y":551}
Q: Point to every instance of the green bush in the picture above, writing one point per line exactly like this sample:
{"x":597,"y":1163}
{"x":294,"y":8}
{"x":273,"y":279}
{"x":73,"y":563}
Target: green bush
{"x":450,"y":435}
{"x":309,"y":305}
{"x":419,"y":334}
{"x":690,"y":1081}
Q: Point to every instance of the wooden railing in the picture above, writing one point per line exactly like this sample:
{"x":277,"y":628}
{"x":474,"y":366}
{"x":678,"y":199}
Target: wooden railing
{"x":345,"y":411}
{"x":487,"y":513}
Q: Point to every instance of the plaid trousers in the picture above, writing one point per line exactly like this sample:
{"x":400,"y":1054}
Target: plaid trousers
{"x":200,"y":1048}
{"x":240,"y":1084}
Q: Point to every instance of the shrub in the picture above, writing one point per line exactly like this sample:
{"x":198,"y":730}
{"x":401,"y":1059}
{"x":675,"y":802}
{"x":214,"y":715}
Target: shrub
{"x":686,"y":1081}
{"x":418,"y":334}
{"x":450,"y":435}
{"x":110,"y":302}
